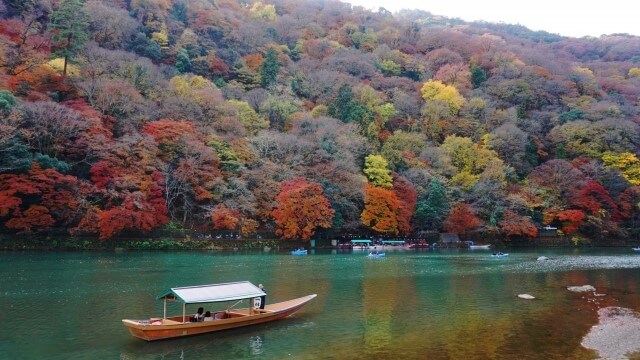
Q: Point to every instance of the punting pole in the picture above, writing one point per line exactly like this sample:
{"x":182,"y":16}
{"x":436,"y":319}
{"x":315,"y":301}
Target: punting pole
{"x":184,"y":311}
{"x":164,"y":313}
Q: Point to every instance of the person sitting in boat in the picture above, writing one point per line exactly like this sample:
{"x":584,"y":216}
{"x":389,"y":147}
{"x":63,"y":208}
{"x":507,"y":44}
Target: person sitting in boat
{"x":198,"y":315}
{"x":207,"y":316}
{"x":263,"y":297}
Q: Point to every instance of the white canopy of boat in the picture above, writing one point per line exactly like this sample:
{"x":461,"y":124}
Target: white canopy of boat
{"x":213,"y":292}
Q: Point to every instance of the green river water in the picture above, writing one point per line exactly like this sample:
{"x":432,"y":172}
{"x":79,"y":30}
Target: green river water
{"x":431,"y":304}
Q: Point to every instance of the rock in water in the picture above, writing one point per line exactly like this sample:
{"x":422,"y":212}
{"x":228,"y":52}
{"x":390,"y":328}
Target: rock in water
{"x":526,"y":296}
{"x":543,"y":258}
{"x":616,"y":335}
{"x":583,"y":288}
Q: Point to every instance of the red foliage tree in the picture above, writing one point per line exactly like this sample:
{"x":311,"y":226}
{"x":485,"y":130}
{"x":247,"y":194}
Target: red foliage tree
{"x":301,"y":208}
{"x":128,"y":192}
{"x":571,"y":220}
{"x":37,"y":200}
{"x":513,"y":224}
{"x":380,"y":210}
{"x":461,"y":219}
{"x":407,"y":198}
{"x":593,"y":198}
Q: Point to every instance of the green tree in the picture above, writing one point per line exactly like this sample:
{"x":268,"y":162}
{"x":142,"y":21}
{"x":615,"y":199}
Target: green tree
{"x":270,"y":68}
{"x":478,"y":76}
{"x":348,"y":109}
{"x":377,"y":170}
{"x":183,"y":62}
{"x":7,"y":100}
{"x":69,"y":23}
{"x":430,"y":212}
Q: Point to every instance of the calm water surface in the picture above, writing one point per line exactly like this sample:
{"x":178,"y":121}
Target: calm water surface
{"x":409,"y":305}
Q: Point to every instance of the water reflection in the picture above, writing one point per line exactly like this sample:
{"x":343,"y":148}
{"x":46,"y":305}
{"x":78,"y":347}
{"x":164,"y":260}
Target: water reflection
{"x":255,"y":344}
{"x":410,"y":305}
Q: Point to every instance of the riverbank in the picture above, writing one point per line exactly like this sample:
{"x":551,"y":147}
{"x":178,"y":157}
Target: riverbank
{"x":199,"y":241}
{"x":55,"y":243}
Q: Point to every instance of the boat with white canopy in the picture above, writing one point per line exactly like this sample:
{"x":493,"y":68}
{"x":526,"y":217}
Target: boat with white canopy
{"x":182,"y":325}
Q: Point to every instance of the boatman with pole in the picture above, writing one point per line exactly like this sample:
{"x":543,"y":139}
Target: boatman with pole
{"x":263,"y":297}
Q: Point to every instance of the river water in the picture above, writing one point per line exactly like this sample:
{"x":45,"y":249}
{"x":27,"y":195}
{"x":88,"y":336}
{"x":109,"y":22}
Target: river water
{"x":431,"y":304}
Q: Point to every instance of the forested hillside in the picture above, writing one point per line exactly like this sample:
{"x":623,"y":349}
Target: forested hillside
{"x":296,"y":117}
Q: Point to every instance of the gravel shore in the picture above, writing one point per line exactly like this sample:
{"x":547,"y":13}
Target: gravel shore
{"x":617,"y":335}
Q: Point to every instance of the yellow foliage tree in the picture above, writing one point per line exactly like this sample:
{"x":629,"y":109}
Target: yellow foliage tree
{"x":184,"y":85}
{"x":447,"y":94}
{"x":248,"y":117}
{"x":377,"y":170}
{"x":262,"y":11}
{"x":626,"y":162}
{"x":469,"y":162}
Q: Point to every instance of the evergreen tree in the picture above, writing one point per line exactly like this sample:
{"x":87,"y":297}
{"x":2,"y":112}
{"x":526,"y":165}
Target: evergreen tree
{"x":270,"y":68}
{"x":69,"y":23}
{"x":431,"y":211}
{"x":478,"y":76}
{"x":183,"y":62}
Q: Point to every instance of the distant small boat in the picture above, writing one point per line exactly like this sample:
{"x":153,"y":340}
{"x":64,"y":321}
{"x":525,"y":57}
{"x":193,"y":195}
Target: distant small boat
{"x":299,"y":252}
{"x":372,"y":255}
{"x":499,"y":255}
{"x":478,"y":247}
{"x":636,"y":249}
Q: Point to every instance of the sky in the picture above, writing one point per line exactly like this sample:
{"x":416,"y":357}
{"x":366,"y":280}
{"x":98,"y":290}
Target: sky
{"x":565,"y":17}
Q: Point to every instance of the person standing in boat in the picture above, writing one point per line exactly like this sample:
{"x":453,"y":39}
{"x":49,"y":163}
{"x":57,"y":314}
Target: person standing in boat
{"x":263,"y":297}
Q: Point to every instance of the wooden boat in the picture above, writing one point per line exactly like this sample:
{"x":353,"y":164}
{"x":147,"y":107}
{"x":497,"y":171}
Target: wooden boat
{"x":372,"y":255}
{"x":499,"y":255}
{"x":179,"y":326}
{"x":299,"y":252}
{"x":636,"y":249}
{"x":479,"y":247}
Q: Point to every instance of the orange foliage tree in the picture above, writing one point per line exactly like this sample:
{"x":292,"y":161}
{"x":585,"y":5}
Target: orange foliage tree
{"x":461,"y":219}
{"x":224,"y":218}
{"x":513,"y":224}
{"x":301,"y":208}
{"x":380,"y":210}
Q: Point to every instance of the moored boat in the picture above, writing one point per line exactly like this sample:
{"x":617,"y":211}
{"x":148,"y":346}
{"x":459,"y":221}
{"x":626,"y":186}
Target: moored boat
{"x":479,"y":247}
{"x":179,"y":326}
{"x":636,"y":249}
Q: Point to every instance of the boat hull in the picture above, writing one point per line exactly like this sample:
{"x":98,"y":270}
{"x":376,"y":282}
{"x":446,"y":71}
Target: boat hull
{"x":480,"y":247}
{"x":238,"y":318}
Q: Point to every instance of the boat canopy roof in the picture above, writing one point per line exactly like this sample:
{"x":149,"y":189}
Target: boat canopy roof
{"x":213,"y":292}
{"x":363,"y":241}
{"x":392,"y":242}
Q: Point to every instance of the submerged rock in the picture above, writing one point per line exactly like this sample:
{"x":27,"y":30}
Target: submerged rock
{"x":616,"y":335}
{"x":583,"y":288}
{"x":526,"y":296}
{"x":543,"y":258}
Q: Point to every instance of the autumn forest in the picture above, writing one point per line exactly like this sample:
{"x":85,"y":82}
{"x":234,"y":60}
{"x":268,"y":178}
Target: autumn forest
{"x":300,"y":118}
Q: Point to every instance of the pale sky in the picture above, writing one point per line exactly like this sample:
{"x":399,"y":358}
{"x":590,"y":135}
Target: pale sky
{"x":564,"y":17}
